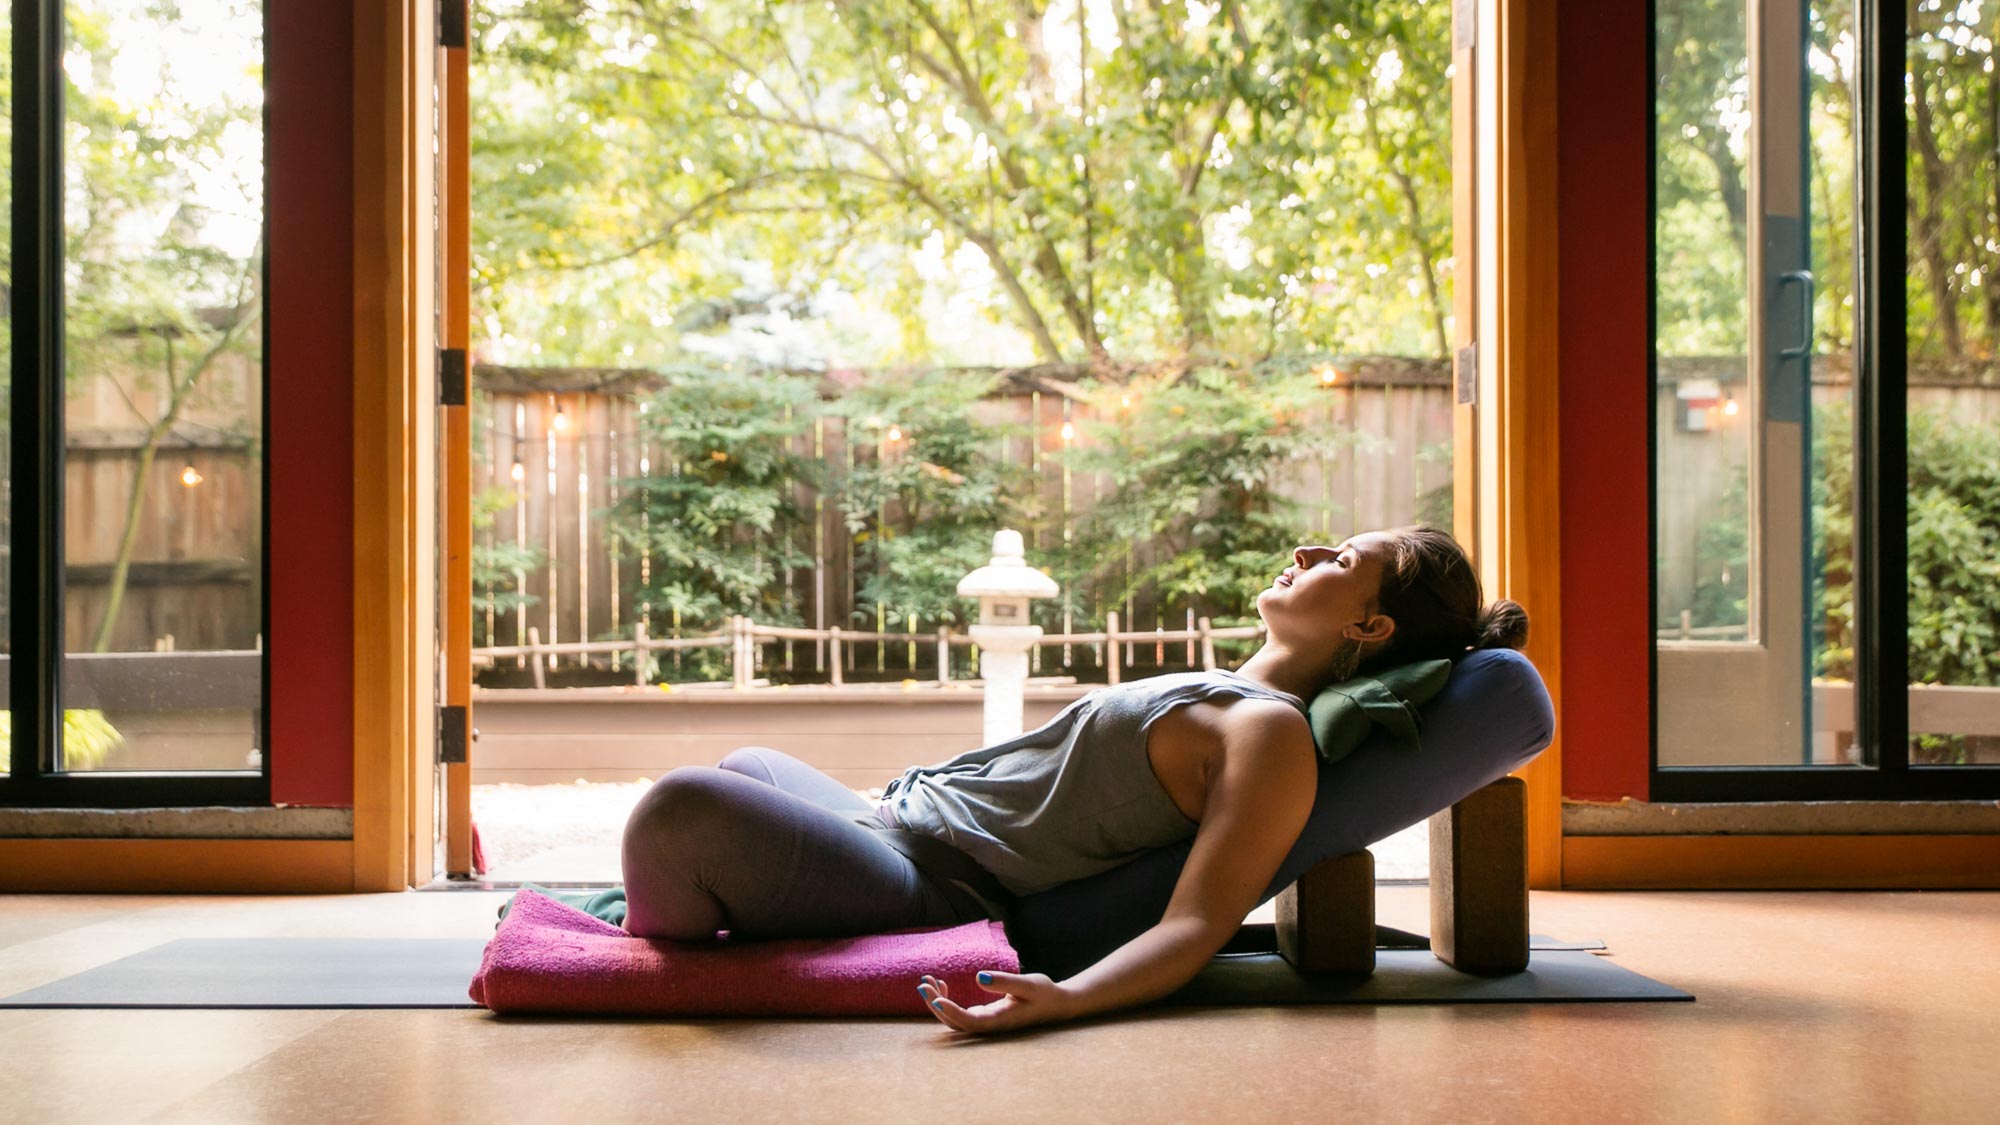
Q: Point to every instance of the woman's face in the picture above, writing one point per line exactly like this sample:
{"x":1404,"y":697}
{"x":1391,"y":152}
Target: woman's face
{"x":1326,"y":597}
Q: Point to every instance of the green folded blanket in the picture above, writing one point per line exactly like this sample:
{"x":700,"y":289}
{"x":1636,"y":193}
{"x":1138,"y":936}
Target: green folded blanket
{"x":1343,"y":715}
{"x":607,"y":904}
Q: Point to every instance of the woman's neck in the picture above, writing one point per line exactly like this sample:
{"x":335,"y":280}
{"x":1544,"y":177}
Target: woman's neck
{"x":1289,"y":670}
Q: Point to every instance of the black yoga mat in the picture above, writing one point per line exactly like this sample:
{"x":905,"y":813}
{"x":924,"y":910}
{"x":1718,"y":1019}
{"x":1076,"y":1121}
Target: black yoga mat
{"x":1414,"y":976}
{"x":434,"y":973}
{"x":273,"y":973}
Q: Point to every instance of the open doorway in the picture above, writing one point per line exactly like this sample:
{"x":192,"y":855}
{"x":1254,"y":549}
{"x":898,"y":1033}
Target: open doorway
{"x":778,"y":311}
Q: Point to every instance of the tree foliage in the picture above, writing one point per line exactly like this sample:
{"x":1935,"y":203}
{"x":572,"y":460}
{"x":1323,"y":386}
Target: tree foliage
{"x":1704,"y":120}
{"x":162,"y":211}
{"x":719,"y":518}
{"x":1194,"y":465}
{"x":1954,"y":556}
{"x":923,"y":503}
{"x":911,"y":181}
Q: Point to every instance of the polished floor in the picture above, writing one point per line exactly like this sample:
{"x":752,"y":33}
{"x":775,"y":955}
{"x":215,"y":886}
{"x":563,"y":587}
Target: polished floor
{"x":1820,"y":1007}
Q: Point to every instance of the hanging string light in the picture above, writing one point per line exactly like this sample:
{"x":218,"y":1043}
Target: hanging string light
{"x":189,"y":476}
{"x":561,"y":419}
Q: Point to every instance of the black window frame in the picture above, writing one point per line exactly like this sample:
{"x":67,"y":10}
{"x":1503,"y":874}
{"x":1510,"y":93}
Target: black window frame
{"x":1881,"y":529}
{"x":36,"y":394}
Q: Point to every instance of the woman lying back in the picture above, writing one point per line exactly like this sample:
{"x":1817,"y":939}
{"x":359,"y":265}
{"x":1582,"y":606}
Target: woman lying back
{"x":765,"y":846}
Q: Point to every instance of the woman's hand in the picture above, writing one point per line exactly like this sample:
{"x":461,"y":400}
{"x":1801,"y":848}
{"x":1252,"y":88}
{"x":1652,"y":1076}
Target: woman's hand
{"x":1025,"y":998}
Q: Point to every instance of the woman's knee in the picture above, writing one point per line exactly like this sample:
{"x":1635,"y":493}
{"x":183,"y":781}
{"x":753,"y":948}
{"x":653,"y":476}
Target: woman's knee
{"x":750,"y":761}
{"x":689,"y":802}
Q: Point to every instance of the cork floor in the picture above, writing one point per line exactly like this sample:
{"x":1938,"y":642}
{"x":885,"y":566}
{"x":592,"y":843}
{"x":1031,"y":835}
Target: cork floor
{"x":1817,"y":1007}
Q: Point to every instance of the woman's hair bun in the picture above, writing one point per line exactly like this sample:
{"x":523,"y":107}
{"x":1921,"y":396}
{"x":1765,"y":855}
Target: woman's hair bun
{"x":1503,"y":624}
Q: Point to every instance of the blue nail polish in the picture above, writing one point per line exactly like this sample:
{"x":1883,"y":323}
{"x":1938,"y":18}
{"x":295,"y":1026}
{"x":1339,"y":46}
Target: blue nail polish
{"x":937,"y":1003}
{"x":985,"y":978}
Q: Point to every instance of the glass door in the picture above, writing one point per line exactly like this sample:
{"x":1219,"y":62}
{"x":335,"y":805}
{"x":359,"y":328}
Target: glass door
{"x":135,"y":502}
{"x":1824,"y":516}
{"x":1743,"y":251}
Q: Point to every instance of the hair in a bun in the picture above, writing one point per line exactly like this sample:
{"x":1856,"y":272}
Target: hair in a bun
{"x":1432,"y":592}
{"x":1504,"y":624}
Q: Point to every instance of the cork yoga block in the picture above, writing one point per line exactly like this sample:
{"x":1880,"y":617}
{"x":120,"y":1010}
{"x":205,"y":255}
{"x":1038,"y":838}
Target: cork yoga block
{"x":1479,"y":880}
{"x":1326,"y":920}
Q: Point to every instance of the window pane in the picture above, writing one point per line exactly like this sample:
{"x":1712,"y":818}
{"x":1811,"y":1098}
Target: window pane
{"x":1954,"y":384}
{"x":163,"y":151}
{"x":7,"y":365}
{"x":1753,"y":490}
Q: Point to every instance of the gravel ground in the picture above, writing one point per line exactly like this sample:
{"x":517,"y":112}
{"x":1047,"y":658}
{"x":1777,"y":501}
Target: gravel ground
{"x":570,"y":833}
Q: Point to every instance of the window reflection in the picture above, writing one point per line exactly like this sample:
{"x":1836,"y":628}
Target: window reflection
{"x":1954,"y":382}
{"x":163,"y":214}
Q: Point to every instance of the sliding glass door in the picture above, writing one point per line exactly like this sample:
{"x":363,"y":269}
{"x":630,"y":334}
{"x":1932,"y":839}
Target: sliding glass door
{"x":135,"y":523}
{"x":1826,"y":489}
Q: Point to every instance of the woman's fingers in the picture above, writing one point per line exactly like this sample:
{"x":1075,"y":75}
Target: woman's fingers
{"x":932,"y":991}
{"x":955,"y":1017}
{"x":1023,"y":999}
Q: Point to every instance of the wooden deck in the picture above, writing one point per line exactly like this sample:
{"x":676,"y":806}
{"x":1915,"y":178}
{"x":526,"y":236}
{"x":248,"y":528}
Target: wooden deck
{"x":861,"y":734}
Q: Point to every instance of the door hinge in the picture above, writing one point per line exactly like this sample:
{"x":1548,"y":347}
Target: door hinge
{"x":453,"y":736}
{"x":451,"y":376}
{"x":453,"y":18}
{"x":1465,"y":373}
{"x":1464,"y":25}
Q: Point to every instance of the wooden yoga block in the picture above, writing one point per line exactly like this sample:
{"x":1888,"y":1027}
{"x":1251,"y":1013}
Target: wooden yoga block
{"x":1326,"y":920}
{"x":1479,"y":880}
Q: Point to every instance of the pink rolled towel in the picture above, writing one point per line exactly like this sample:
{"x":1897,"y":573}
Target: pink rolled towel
{"x":549,"y":957}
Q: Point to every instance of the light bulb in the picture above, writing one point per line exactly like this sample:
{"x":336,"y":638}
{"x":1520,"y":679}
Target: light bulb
{"x":1328,"y":374}
{"x":1729,"y":407}
{"x":895,"y":433}
{"x":519,"y":472}
{"x":1068,"y":432}
{"x":189,"y":477}
{"x":1125,"y":400}
{"x":562,"y":420}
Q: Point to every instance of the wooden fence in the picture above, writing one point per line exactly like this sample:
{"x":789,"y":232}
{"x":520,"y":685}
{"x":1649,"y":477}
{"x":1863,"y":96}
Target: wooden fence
{"x":586,"y":588}
{"x":195,"y":570}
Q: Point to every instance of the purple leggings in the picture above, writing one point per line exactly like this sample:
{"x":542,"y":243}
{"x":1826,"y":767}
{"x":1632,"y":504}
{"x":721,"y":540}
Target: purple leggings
{"x":765,"y":846}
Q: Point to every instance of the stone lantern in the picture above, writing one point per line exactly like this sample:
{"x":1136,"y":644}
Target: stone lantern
{"x":1004,"y":587}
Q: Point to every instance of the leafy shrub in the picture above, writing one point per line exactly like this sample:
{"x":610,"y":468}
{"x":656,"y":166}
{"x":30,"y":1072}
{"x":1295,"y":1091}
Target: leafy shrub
{"x":1954,"y":556}
{"x":924,"y":508}
{"x":496,"y":567}
{"x":718,"y":514}
{"x":88,"y":739}
{"x":1954,"y":548}
{"x":1194,"y":463}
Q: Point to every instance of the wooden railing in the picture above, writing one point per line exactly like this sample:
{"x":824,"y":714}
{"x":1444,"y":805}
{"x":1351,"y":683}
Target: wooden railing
{"x":743,"y":636}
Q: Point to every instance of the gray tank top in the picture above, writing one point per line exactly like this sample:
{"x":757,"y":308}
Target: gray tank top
{"x":1071,"y":798}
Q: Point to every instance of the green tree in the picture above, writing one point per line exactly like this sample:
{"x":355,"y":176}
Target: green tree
{"x":1954,"y":554}
{"x":153,"y":284}
{"x":923,"y":507}
{"x":723,"y":523}
{"x":1954,"y":181}
{"x":1237,"y":178}
{"x":497,"y":566}
{"x":1193,"y":462}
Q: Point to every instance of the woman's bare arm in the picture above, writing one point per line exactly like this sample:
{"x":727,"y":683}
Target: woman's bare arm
{"x":1255,"y":809}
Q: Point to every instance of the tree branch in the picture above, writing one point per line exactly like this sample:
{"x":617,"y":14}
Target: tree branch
{"x":1048,"y":261}
{"x":1419,"y":231}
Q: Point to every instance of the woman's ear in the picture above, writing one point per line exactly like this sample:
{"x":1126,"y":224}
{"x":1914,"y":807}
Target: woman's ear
{"x":1375,"y":630}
